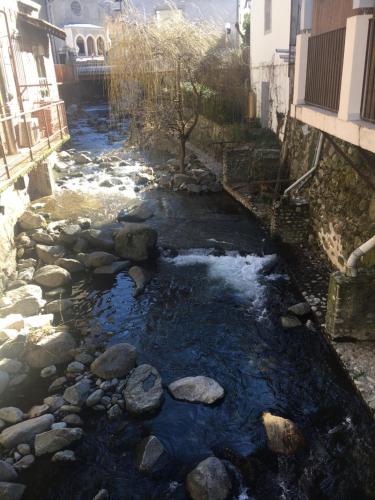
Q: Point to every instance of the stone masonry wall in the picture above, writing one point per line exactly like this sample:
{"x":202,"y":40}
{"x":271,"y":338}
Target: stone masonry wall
{"x":342,"y":204}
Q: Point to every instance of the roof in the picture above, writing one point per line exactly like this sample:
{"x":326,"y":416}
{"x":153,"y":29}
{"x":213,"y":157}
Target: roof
{"x":42,"y":25}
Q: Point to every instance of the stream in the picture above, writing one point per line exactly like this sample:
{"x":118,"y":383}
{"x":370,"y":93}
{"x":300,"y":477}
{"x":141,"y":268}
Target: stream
{"x":206,"y":313}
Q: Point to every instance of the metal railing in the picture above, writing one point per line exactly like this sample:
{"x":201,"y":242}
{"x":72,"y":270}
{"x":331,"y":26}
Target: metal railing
{"x":26,"y":137}
{"x":324,"y":69}
{"x":368,"y":95}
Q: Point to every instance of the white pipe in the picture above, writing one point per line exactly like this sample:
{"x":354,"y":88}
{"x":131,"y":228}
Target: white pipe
{"x":318,"y":153}
{"x":351,"y":265}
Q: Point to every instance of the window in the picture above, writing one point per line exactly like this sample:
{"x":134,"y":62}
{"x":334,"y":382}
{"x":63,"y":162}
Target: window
{"x":80,"y":46}
{"x":100,"y":46}
{"x":90,"y":46}
{"x":76,"y":8}
{"x":168,"y":14}
{"x":267,"y":16}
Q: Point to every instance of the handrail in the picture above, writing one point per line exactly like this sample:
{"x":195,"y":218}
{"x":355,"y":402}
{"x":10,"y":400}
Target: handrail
{"x":34,"y":110}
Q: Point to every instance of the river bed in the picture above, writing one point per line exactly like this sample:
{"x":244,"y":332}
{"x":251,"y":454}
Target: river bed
{"x":213,"y":315}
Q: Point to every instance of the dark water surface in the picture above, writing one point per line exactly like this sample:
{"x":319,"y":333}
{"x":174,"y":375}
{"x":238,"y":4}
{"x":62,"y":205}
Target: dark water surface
{"x":216,"y":316}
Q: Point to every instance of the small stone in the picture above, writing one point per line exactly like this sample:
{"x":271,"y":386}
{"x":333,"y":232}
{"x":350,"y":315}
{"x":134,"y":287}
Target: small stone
{"x":24,"y":462}
{"x":209,"y":481}
{"x":75,"y":367}
{"x":38,"y":410}
{"x":94,"y":398}
{"x":288,"y":322}
{"x":7,"y":472}
{"x":11,"y":415}
{"x":48,"y":371}
{"x":101,"y":495}
{"x":148,"y":454}
{"x":283,"y":435}
{"x":54,"y":402}
{"x":197,"y":389}
{"x":70,"y":409}
{"x":114,"y":412}
{"x":11,"y":491}
{"x":84,"y":358}
{"x":57,"y":384}
{"x":55,"y":440}
{"x":24,"y":449}
{"x":59,"y":425}
{"x":77,"y":393}
{"x":73,"y":420}
{"x":300,"y":309}
{"x":64,"y":456}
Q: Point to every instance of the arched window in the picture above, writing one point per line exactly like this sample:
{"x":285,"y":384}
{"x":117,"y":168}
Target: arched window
{"x":80,"y":46}
{"x":90,"y":46}
{"x":100,"y":46}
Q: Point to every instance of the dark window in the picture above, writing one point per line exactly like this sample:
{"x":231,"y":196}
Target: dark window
{"x":81,"y":46}
{"x":267,"y":16}
{"x":76,"y":8}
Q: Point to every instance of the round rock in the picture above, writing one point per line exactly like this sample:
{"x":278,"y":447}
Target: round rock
{"x":117,"y":361}
{"x":209,"y":481}
{"x":143,"y":392}
{"x":197,"y":390}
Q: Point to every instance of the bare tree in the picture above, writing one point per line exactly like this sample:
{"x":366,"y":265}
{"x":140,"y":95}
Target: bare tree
{"x":158,"y":72}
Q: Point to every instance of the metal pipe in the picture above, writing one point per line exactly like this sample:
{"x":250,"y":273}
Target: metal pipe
{"x":352,"y":263}
{"x":318,"y":153}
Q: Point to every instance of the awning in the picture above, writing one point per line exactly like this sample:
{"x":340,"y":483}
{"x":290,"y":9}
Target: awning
{"x":37,"y":23}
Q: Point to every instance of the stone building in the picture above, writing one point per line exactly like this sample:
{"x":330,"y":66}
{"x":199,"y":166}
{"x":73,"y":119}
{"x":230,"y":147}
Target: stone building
{"x":32,"y":118}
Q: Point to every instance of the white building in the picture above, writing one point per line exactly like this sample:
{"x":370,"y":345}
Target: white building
{"x":270,"y":44}
{"x":84,"y":22}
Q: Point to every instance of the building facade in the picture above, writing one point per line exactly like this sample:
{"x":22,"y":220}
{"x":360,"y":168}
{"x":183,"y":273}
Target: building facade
{"x":32,"y":117}
{"x":272,"y":30}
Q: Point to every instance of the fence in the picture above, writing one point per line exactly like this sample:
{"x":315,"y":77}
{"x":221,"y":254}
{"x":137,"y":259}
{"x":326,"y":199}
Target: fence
{"x":25,"y":137}
{"x":324,"y":69}
{"x":368,"y":96}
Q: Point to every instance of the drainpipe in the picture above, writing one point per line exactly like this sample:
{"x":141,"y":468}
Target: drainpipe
{"x":318,"y":153}
{"x":351,"y":265}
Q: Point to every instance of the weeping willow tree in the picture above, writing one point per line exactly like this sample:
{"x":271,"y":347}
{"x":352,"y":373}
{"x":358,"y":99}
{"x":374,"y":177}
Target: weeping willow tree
{"x":159,"y":68}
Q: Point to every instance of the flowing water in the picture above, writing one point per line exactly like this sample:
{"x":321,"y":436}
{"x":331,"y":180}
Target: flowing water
{"x":205,"y":314}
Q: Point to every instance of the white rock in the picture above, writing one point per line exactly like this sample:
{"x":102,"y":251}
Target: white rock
{"x":52,"y":276}
{"x":12,"y":322}
{"x":26,"y":300}
{"x":39,"y":321}
{"x":197,"y":389}
{"x":48,"y":371}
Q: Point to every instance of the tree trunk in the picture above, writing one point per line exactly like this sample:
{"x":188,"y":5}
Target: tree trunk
{"x":182,"y":154}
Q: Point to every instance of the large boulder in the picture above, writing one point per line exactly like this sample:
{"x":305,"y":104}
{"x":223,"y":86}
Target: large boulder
{"x":25,"y":432}
{"x":48,"y":254}
{"x":11,"y":491}
{"x":52,"y":276}
{"x":51,"y":350}
{"x":115,"y":362}
{"x":283,"y":435}
{"x":26,"y":300}
{"x":197,"y":390}
{"x":135,"y":242}
{"x":209,"y":481}
{"x":31,"y":220}
{"x":143,"y":391}
{"x":100,"y":259}
{"x":150,"y":455}
{"x":55,"y":440}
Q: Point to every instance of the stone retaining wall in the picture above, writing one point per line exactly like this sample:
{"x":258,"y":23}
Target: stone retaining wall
{"x":291,"y":221}
{"x":342,"y":204}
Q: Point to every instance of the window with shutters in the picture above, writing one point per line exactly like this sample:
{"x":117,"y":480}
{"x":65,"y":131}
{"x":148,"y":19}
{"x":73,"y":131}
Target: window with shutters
{"x":267,"y":16}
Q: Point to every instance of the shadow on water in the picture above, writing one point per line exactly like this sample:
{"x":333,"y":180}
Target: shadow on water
{"x":217,"y":316}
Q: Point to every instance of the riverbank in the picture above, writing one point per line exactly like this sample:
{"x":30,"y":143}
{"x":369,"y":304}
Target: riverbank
{"x":211,"y":306}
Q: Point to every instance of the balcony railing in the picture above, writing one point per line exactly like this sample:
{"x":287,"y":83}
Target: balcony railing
{"x":324,"y":69}
{"x":26,"y":137}
{"x":368,"y":95}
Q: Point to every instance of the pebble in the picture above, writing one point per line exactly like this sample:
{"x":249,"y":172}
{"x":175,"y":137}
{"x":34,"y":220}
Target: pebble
{"x":48,"y":371}
{"x":24,"y":449}
{"x":57,"y":384}
{"x":114,"y":412}
{"x":64,"y":456}
{"x":38,"y":410}
{"x":75,"y":367}
{"x":73,"y":420}
{"x":95,"y":397}
{"x":59,"y":425}
{"x":24,"y":462}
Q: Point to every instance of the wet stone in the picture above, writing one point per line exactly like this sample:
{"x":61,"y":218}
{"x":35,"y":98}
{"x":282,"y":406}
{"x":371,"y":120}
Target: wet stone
{"x":143,"y":392}
{"x":197,"y":389}
{"x":149,"y":455}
